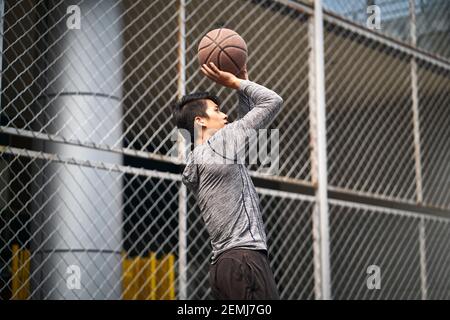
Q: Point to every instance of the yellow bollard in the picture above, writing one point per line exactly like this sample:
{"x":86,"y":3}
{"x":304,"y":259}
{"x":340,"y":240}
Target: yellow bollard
{"x":25,"y":274}
{"x":127,"y":293}
{"x":149,"y":278}
{"x":142,"y":273}
{"x":15,"y":279}
{"x":171,"y":267}
{"x":20,"y":269}
{"x":166,"y":277}
{"x":153,"y":276}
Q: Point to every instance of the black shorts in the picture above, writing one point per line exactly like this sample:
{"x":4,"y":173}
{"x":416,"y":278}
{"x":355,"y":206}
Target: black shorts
{"x":243,"y":274}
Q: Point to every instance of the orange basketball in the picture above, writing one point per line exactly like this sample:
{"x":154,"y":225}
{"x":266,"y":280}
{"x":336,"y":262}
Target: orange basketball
{"x":225,"y":48}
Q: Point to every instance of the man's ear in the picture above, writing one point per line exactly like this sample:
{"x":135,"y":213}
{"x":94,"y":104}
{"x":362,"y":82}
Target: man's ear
{"x":199,"y":121}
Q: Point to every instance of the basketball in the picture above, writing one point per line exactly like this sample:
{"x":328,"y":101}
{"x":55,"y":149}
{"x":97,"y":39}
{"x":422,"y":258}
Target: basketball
{"x":225,"y":48}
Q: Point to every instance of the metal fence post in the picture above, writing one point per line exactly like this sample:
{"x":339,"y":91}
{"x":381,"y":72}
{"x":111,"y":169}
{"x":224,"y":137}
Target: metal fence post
{"x":415,"y":104}
{"x":318,"y":154}
{"x":417,"y":152}
{"x":423,"y":260}
{"x":182,"y":197}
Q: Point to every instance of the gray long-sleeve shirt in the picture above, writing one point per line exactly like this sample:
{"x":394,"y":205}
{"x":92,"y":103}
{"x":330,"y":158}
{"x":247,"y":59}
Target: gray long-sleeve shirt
{"x":228,"y":201}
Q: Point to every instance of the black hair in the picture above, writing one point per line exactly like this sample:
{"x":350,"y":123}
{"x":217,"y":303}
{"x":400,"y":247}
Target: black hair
{"x":190,"y":106}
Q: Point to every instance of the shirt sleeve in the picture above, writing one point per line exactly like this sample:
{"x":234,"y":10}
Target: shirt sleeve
{"x":257,"y":107}
{"x":244,"y":104}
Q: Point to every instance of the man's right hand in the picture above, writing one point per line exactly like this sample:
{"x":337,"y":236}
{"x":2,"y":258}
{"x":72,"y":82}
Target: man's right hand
{"x":224,"y":78}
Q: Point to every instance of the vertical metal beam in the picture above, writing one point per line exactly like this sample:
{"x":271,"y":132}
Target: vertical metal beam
{"x":412,"y":22}
{"x":423,"y":260}
{"x":318,"y":153}
{"x":182,"y":196}
{"x":415,"y":105}
{"x":416,"y":126}
{"x":418,"y":164}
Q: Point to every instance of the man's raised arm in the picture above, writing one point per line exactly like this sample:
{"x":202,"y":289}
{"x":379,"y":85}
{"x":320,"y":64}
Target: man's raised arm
{"x":259,"y":104}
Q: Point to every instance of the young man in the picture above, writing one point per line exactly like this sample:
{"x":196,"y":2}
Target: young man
{"x":225,"y":193}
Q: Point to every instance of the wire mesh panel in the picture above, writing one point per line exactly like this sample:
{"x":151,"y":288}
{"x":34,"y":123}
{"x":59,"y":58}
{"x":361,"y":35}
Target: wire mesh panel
{"x":437,"y":242}
{"x":151,"y":73}
{"x":288,"y":221}
{"x":369,"y":116}
{"x":392,"y":15}
{"x":433,"y":26}
{"x":394,"y":19}
{"x":111,"y":229}
{"x":198,"y":253}
{"x":407,"y":251}
{"x":108,"y":82}
{"x":276,"y":37}
{"x":361,"y":237}
{"x":150,"y":237}
{"x":434,"y":113}
{"x":60,"y":81}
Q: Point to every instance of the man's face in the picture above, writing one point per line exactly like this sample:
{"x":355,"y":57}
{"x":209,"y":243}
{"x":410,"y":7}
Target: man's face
{"x":217,"y":119}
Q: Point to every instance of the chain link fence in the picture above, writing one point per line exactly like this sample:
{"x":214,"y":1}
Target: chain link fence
{"x":398,"y":242}
{"x":92,"y":204}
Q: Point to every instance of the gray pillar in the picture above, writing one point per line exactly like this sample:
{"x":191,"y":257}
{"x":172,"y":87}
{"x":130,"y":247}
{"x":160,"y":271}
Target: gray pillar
{"x":78,"y":211}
